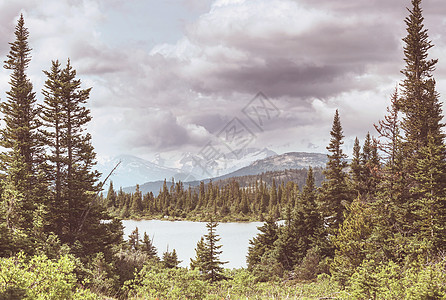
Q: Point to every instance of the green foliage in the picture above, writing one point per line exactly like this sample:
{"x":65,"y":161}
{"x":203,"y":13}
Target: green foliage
{"x":311,"y":266}
{"x":170,"y":259}
{"x":154,"y":282}
{"x":244,"y":198}
{"x":148,"y":247}
{"x":262,"y":243}
{"x":335,"y":194}
{"x":351,"y":242}
{"x":40,"y":278}
{"x":207,"y":259}
{"x":430,"y":207}
{"x":21,"y":157}
{"x":269,"y":268}
{"x":102,"y":278}
{"x":390,"y":281}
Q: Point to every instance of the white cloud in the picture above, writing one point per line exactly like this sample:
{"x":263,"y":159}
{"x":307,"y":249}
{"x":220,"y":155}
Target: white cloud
{"x":310,"y":57}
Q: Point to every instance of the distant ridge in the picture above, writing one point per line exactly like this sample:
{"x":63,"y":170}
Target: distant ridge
{"x":280,"y":162}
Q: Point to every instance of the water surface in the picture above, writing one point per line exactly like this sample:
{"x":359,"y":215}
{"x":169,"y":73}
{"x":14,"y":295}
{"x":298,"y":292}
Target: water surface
{"x":184,"y":235}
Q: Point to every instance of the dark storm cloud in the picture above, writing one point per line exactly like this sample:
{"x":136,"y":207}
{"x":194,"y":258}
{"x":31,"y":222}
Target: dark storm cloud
{"x":329,"y":50}
{"x":160,"y":130}
{"x":318,"y":62}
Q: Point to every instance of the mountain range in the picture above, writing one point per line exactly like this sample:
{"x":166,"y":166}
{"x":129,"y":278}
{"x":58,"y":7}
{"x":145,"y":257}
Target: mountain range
{"x":286,"y":161}
{"x":133,"y":170}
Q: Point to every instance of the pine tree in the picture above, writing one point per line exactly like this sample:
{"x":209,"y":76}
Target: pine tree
{"x":52,"y":118}
{"x":71,"y":155}
{"x":170,"y":259}
{"x":111,"y":199}
{"x":335,"y":194}
{"x":430,"y":207}
{"x":81,"y":181}
{"x":356,"y":168}
{"x":22,"y":158}
{"x":134,"y":240}
{"x":207,"y":255}
{"x":262,"y":243}
{"x":303,"y":229}
{"x":314,"y":232}
{"x":148,"y":247}
{"x":419,"y":102}
{"x":423,"y":144}
{"x":370,"y":168}
{"x":351,"y":241}
{"x":201,"y":256}
{"x":137,"y":201}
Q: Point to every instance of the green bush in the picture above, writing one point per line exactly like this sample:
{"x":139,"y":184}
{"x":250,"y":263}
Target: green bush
{"x":391,"y":281}
{"x":154,"y":282}
{"x":40,"y":278}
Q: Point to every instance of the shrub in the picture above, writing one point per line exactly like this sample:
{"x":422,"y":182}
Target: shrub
{"x":40,"y":278}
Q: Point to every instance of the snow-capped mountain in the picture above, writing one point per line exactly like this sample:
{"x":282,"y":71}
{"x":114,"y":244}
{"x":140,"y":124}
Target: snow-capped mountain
{"x":221,"y":165}
{"x":133,"y":170}
{"x":290,"y":160}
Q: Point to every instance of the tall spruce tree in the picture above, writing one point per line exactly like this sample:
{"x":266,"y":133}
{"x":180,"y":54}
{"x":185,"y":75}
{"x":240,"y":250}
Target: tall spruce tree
{"x":52,"y":118}
{"x":302,"y":231}
{"x":22,"y":159}
{"x":262,"y":243}
{"x":419,"y":101}
{"x":423,"y":146}
{"x":81,"y":181}
{"x":111,"y":200}
{"x":430,"y":192}
{"x":71,"y":153}
{"x":356,"y":168}
{"x":335,"y":194}
{"x":207,"y":254}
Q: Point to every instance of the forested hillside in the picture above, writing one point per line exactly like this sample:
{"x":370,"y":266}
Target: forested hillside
{"x":241,"y":198}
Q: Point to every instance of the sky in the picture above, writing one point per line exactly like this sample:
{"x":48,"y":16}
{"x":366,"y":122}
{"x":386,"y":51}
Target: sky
{"x":189,"y":76}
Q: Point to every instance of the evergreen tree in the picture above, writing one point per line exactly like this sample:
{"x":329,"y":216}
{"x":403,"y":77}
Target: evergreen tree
{"x":370,"y":166}
{"x":137,"y":206}
{"x":419,"y":102}
{"x":351,"y":241}
{"x":52,"y":118}
{"x":22,"y":158}
{"x":148,"y":247}
{"x":356,"y":168}
{"x":134,"y":239}
{"x":170,"y":259}
{"x":111,"y":200}
{"x":390,"y":205}
{"x":314,"y":234}
{"x":422,"y":126}
{"x":81,"y":180}
{"x":72,"y":157}
{"x":303,"y":229}
{"x":201,"y":256}
{"x":335,"y":194}
{"x":207,"y":254}
{"x":430,"y":207}
{"x":262,"y":243}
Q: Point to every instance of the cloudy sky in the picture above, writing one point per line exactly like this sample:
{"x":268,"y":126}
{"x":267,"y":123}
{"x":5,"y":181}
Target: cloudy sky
{"x":173,"y":76}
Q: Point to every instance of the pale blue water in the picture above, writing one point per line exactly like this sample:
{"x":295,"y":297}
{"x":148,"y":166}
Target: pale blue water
{"x":184,"y":235}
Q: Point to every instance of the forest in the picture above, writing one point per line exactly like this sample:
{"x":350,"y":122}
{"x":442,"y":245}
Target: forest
{"x":374,"y":229}
{"x":243,"y":198}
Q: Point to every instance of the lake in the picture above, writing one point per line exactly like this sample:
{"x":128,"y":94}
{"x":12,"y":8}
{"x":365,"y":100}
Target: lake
{"x":184,"y":235}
